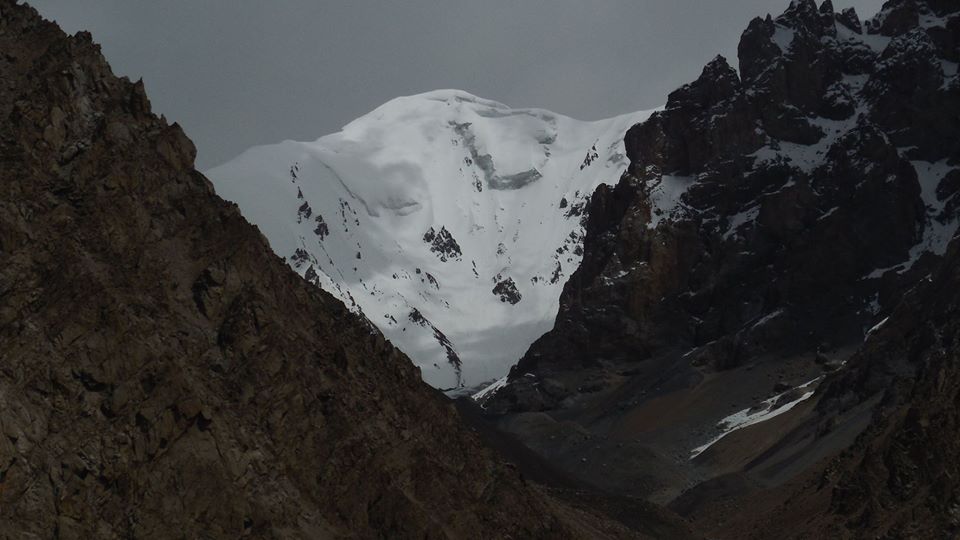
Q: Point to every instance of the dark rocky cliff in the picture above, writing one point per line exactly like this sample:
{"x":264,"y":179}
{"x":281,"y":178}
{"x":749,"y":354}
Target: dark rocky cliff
{"x":770,"y":218}
{"x":163,"y":374}
{"x":901,"y":477}
{"x":797,"y":191}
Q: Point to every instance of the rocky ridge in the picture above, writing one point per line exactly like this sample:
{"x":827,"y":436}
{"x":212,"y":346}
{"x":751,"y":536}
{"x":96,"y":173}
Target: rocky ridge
{"x":770,"y":221}
{"x":163,"y":371}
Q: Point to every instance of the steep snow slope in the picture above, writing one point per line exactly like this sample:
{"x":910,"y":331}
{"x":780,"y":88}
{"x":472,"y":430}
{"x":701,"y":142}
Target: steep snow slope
{"x":450,"y":221}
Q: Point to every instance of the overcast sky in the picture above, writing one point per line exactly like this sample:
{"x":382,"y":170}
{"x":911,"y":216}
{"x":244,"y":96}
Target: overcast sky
{"x":238,"y":73}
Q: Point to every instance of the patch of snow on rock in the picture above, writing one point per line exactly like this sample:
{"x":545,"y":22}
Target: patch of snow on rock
{"x":770,"y":408}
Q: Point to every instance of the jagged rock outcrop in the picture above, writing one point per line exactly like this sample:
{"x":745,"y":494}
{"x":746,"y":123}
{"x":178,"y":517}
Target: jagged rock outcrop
{"x":769,"y":219}
{"x":506,"y":290}
{"x":786,"y":200}
{"x":164,"y":374}
{"x":443,"y":244}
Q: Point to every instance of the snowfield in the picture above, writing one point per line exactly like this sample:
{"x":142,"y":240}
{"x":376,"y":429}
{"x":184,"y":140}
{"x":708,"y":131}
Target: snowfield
{"x":450,"y":221}
{"x":770,"y":408}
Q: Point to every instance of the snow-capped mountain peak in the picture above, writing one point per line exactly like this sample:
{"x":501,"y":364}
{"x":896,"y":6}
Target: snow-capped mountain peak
{"x":449,"y":220}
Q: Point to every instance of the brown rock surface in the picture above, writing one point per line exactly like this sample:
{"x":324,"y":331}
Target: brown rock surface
{"x":162,"y":374}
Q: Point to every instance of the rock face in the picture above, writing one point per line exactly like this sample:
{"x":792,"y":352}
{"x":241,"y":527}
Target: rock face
{"x":796,"y":187}
{"x":900,"y":478}
{"x":814,"y":173}
{"x":768,"y":219}
{"x":163,"y":371}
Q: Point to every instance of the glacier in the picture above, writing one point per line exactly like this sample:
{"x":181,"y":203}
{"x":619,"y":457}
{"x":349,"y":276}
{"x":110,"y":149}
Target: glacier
{"x":449,"y":221}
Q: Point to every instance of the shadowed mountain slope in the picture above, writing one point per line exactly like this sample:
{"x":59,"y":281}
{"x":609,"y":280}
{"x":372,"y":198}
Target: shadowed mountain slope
{"x":723,"y":336}
{"x":162,"y":373}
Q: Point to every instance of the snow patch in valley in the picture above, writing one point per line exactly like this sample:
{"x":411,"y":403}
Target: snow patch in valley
{"x":875,"y":327}
{"x":767,"y":318}
{"x":490,"y":390}
{"x":502,"y":190}
{"x":767,"y":410}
